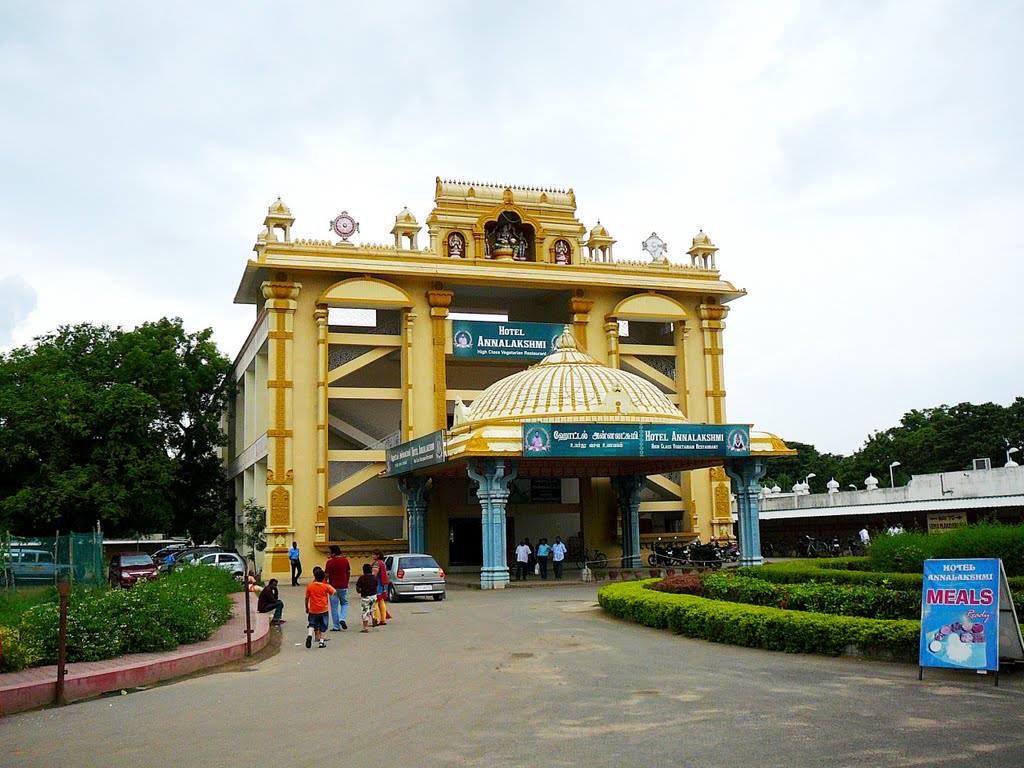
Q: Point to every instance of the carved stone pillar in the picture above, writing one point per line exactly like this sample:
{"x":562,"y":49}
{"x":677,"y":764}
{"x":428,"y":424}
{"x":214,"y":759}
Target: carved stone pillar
{"x":408,"y":416}
{"x":439,"y":300}
{"x":414,"y":490}
{"x":493,"y":481}
{"x":281,"y":304}
{"x":682,"y":390}
{"x":627,"y":489}
{"x":321,"y":424}
{"x":746,"y":474}
{"x":580,"y":309}
{"x":611,"y":332}
{"x":712,"y":316}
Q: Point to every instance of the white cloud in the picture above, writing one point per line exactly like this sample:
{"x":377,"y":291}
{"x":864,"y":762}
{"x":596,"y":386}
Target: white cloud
{"x":858,"y":164}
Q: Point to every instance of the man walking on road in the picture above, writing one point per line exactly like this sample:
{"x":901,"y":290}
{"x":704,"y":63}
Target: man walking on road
{"x":293,"y":558}
{"x":558,"y":556}
{"x":338,"y":572}
{"x":523,"y":553}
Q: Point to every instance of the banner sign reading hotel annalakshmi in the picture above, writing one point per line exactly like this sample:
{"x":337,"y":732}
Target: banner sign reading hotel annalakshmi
{"x":422,"y":452}
{"x":471,"y":338}
{"x":639,"y":440}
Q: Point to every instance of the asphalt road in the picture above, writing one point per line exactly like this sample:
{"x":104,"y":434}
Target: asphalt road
{"x":534,"y":677}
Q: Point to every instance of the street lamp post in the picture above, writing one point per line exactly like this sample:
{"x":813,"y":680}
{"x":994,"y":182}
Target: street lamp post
{"x":1009,"y":461}
{"x":853,"y":486}
{"x":892,"y":483}
{"x":808,"y":477}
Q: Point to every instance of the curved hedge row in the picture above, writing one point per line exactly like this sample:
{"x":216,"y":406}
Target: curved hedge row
{"x":773,"y":629}
{"x":847,"y":570}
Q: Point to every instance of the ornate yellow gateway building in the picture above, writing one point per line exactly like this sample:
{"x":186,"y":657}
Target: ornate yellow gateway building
{"x":511,"y":379}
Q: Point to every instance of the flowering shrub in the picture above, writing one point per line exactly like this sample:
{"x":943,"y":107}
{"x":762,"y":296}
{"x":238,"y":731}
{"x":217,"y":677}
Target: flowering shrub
{"x":185,"y":606}
{"x":869,"y":601}
{"x":684,"y":584}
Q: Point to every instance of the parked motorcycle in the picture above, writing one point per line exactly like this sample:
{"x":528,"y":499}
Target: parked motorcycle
{"x":704,"y":555}
{"x":666,"y":555}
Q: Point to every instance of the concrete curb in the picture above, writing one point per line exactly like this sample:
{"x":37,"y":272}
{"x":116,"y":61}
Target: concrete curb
{"x":37,"y":687}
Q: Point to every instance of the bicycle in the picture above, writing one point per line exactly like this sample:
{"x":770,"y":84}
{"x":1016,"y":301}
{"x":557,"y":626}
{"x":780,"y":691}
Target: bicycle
{"x":588,"y":559}
{"x":813,"y":548}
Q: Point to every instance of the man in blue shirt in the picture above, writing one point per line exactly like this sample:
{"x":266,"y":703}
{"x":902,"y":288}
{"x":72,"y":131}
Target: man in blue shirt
{"x":543,"y":550}
{"x":293,"y":558}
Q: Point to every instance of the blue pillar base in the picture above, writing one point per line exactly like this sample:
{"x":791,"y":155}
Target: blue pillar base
{"x":748,"y":561}
{"x":493,"y":578}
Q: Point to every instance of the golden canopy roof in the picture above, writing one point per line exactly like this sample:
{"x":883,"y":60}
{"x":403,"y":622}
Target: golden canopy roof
{"x":569,"y":385}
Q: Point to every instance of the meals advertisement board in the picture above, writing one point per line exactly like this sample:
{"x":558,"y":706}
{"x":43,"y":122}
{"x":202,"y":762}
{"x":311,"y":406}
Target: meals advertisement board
{"x":635,"y":440}
{"x":960,"y":614}
{"x":475,"y":338}
{"x":422,"y":452}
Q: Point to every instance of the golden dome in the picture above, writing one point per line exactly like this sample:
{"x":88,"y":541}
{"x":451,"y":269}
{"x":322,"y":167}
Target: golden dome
{"x":599,"y":231}
{"x":570,"y":385}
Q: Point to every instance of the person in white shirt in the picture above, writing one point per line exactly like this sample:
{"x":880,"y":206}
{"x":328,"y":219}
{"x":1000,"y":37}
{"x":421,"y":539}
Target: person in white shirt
{"x":523,"y":553}
{"x":865,"y":539}
{"x":558,"y":556}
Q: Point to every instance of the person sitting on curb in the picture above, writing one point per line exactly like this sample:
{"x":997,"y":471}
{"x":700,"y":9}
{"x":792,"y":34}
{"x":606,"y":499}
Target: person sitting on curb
{"x":269,"y":600}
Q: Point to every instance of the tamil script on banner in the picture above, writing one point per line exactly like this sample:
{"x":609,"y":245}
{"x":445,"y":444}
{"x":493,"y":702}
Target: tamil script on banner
{"x":635,"y":440}
{"x":422,"y":452}
{"x":961,"y":614}
{"x":474,"y":338}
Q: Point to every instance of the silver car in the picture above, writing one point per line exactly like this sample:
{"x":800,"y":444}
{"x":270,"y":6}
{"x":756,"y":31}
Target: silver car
{"x":412,"y":575}
{"x":229,"y":561}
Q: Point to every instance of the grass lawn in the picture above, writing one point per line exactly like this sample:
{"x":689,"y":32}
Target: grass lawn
{"x":14,"y":602}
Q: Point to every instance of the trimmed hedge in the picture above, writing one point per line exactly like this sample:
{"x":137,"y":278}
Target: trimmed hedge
{"x":834,"y":571}
{"x":867,"y":600}
{"x":907,"y":552}
{"x":184,"y":606}
{"x":758,"y":626}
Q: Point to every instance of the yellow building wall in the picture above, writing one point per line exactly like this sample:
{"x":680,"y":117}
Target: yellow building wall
{"x":318,"y":265}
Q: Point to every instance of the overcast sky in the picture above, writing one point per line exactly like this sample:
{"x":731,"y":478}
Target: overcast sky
{"x":859,"y":164}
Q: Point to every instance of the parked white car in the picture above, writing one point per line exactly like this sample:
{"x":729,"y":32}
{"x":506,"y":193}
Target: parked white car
{"x":229,"y":561}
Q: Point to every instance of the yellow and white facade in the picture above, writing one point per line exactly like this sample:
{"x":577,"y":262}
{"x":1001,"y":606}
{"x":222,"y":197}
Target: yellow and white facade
{"x":323,"y":389}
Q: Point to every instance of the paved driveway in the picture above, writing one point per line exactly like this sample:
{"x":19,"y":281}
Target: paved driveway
{"x":533,"y":677}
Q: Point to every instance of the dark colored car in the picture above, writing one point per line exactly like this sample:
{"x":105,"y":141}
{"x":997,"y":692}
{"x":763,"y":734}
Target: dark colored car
{"x":126,"y":568}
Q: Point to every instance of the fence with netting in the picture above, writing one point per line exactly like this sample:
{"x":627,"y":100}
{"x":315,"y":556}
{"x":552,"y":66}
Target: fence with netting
{"x":39,"y":560}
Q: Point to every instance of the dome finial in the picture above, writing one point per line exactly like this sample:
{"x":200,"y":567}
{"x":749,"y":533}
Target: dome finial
{"x":566,"y":340}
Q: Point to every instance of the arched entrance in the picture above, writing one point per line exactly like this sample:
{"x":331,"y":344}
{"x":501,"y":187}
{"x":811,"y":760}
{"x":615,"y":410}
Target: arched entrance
{"x":570,"y":417}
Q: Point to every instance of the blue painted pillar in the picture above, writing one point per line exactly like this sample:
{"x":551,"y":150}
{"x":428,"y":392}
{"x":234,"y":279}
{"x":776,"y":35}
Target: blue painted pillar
{"x":414,"y":489}
{"x":627,"y":489}
{"x":746,"y":474}
{"x":493,"y":479}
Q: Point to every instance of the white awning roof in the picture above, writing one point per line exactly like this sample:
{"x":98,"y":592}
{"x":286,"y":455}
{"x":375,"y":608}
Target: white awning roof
{"x":894,"y":508}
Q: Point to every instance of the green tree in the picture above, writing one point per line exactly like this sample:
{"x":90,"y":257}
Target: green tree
{"x":254,"y":524}
{"x":117,"y":426}
{"x":940,"y":439}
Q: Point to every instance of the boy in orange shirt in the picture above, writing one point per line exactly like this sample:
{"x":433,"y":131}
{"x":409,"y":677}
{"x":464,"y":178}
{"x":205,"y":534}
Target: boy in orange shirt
{"x":317,"y":607}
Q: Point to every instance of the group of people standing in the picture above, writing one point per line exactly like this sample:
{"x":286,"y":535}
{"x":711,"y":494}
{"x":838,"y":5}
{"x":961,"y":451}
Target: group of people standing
{"x":326,"y":597}
{"x":528,"y":561}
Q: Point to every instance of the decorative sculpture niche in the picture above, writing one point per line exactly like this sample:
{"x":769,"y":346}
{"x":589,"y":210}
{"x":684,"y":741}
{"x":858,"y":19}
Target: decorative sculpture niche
{"x":456,"y":245}
{"x":509,"y":239}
